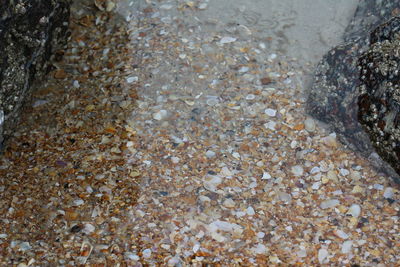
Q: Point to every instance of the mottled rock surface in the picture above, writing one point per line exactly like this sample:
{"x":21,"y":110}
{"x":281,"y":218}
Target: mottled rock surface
{"x":379,"y":102}
{"x":30,"y":33}
{"x":335,"y":90}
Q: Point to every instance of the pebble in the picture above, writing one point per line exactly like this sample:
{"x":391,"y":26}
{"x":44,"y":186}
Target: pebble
{"x":322,"y":255}
{"x":175,"y":160}
{"x":309,"y":125}
{"x":210,"y":154}
{"x":346,"y":246}
{"x":131,"y":256}
{"x":341,"y":234}
{"x":250,"y":211}
{"x":260,"y":249}
{"x":297,"y":170}
{"x":227,"y":40}
{"x":211,"y":182}
{"x":331,"y":175}
{"x":76,"y":84}
{"x":146,"y":253}
{"x":284,"y":197}
{"x":316,"y":185}
{"x":260,"y":234}
{"x":344,"y":172}
{"x":329,"y":203}
{"x":229,"y":203}
{"x":357,"y":189}
{"x":202,"y":6}
{"x":330,"y":140}
{"x":388,"y":193}
{"x":270,"y":112}
{"x":270,"y":125}
{"x":226,"y":172}
{"x":244,"y":69}
{"x":132,"y":79}
{"x":78,"y":202}
{"x":354,"y":210}
{"x":88,"y":228}
{"x":250,"y":97}
{"x":266,"y":176}
{"x":160,"y":115}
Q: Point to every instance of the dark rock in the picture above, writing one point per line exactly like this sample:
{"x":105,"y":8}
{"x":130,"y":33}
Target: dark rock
{"x":379,"y":102}
{"x":333,"y":97}
{"x":30,"y":32}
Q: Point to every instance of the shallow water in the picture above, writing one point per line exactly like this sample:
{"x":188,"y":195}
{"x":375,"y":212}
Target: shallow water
{"x":208,"y":118}
{"x":304,"y":29}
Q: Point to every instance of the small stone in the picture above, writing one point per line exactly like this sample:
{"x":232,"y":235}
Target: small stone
{"x":236,"y":155}
{"x":322,"y":255}
{"x":250,"y":97}
{"x":355,"y":175}
{"x":110,"y":5}
{"x":175,"y":261}
{"x":344,"y":172}
{"x":357,"y":189}
{"x":354,"y":210}
{"x":341,"y":234}
{"x":297,"y":170}
{"x":388,"y":193}
{"x":330,"y":141}
{"x":270,"y":112}
{"x":210,"y":154}
{"x":244,"y":69}
{"x":211,"y":182}
{"x":60,"y":74}
{"x":260,"y":249}
{"x":227,"y":40}
{"x":309,"y":125}
{"x":88,"y":228}
{"x":131,"y":256}
{"x":196,"y":248}
{"x":250,"y":211}
{"x":226,"y":172}
{"x":24,"y":246}
{"x":272,"y":56}
{"x":202,"y":6}
{"x":229,"y":203}
{"x":175,"y":160}
{"x":132,"y":79}
{"x":266,"y":176}
{"x":76,"y":84}
{"x":302,"y":253}
{"x":331,"y":175}
{"x":284,"y":197}
{"x":266,"y":80}
{"x":327,"y":204}
{"x":166,"y":6}
{"x":160,"y":115}
{"x":346,"y":246}
{"x":316,"y":185}
{"x":146,"y":253}
{"x":270,"y":125}
{"x":78,"y":202}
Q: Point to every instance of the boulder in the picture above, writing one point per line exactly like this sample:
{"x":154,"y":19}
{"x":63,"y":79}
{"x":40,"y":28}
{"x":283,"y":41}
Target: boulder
{"x":379,"y":100}
{"x":31,"y":31}
{"x":334,"y":97}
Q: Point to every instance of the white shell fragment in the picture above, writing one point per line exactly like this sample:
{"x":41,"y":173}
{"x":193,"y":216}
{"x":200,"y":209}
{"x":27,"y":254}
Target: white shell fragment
{"x":227,"y":40}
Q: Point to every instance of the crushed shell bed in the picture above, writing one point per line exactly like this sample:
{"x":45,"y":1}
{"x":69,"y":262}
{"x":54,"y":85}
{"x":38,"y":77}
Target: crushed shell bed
{"x":172,"y":140}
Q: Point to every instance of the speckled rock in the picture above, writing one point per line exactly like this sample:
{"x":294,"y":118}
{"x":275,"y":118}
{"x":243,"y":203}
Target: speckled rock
{"x":335,"y":90}
{"x":379,"y":102}
{"x":30,"y":32}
